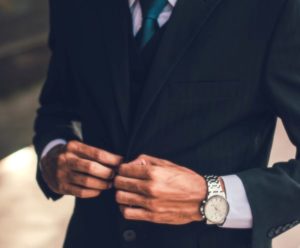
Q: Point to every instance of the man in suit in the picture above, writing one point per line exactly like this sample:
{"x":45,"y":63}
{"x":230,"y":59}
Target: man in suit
{"x":177,"y":102}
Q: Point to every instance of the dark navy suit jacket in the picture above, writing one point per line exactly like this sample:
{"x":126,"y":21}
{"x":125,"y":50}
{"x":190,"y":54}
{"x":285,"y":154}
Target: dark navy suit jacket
{"x":224,"y":71}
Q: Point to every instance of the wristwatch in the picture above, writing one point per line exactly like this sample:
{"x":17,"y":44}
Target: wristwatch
{"x":215,"y":207}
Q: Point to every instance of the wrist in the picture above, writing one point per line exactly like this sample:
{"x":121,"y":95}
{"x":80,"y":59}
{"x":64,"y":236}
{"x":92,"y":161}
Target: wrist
{"x":51,"y":145}
{"x":51,"y":155}
{"x":203,"y":189}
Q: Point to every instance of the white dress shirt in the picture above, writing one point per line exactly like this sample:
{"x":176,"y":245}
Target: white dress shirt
{"x":240,"y":215}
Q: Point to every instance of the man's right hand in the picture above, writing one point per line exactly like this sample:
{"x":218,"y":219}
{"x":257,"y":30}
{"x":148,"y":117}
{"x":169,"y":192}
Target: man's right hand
{"x":79,"y":170}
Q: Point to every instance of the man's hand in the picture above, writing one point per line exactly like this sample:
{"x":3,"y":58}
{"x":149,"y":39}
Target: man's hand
{"x":159,"y":191}
{"x":79,"y":170}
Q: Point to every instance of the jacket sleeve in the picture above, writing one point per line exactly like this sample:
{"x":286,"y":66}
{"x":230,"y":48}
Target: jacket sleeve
{"x":274,"y":193}
{"x":58,"y":100}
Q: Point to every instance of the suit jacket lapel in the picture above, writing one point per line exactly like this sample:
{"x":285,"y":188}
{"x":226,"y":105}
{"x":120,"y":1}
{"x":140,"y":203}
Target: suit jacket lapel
{"x":185,"y":23}
{"x":115,"y":16}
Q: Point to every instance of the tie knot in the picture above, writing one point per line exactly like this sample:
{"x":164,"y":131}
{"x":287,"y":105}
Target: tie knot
{"x":152,"y":8}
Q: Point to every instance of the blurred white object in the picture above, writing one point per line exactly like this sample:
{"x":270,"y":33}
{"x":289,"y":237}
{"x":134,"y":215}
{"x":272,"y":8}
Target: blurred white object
{"x":27,"y":218}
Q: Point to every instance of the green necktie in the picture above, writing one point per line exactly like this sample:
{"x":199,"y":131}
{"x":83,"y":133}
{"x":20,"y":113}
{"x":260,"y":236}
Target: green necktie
{"x":151,"y":10}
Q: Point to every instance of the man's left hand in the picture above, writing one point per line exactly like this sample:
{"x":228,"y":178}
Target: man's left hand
{"x":157,"y":190}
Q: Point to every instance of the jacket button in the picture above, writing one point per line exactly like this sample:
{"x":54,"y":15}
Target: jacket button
{"x":129,"y":235}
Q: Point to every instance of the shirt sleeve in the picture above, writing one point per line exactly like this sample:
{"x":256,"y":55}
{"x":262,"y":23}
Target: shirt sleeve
{"x":51,"y":145}
{"x":240,"y":215}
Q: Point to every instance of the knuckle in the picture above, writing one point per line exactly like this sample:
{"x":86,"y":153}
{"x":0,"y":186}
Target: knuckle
{"x":61,"y":158}
{"x":81,"y":193}
{"x":117,"y":159}
{"x":118,"y":196}
{"x":122,"y":169}
{"x":97,"y":193}
{"x":143,"y":155}
{"x":68,"y":156}
{"x":71,"y":145}
{"x":150,"y":216}
{"x":86,"y":181}
{"x":65,"y":160}
{"x":73,"y":163}
{"x":151,"y":190}
{"x":149,"y":203}
{"x":89,"y":167}
{"x":166,"y":162}
{"x":59,"y":174}
{"x":149,"y":170}
{"x":101,"y":156}
{"x":159,"y":209}
{"x":104,"y":185}
{"x":117,"y":180}
{"x":137,"y":187}
{"x":126,"y":214}
{"x":91,"y":194}
{"x":108,"y":174}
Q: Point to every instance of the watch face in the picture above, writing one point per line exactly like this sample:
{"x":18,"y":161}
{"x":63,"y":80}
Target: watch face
{"x":216,"y":209}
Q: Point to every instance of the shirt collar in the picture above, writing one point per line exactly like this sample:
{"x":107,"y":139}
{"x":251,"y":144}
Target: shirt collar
{"x":131,"y":2}
{"x":171,"y":2}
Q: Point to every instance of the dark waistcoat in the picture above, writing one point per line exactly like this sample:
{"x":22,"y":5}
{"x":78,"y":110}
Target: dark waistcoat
{"x":140,"y":63}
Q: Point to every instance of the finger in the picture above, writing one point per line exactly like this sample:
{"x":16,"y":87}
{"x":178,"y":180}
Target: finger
{"x":142,"y":214}
{"x":80,"y":192}
{"x":137,"y":214}
{"x":131,"y":185}
{"x":151,"y":160}
{"x":131,"y":199}
{"x":135,"y":170}
{"x":90,"y":167}
{"x":94,"y":153}
{"x":88,"y":181}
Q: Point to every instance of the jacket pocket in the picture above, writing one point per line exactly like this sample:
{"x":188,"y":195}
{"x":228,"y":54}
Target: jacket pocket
{"x":202,"y":91}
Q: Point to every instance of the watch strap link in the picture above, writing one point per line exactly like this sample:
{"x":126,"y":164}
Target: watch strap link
{"x":214,"y":186}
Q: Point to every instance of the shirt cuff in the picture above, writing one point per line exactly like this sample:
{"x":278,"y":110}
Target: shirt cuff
{"x":240,"y":215}
{"x":51,"y":145}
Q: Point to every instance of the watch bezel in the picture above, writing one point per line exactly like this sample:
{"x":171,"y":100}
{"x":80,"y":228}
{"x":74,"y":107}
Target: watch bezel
{"x":209,"y":221}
